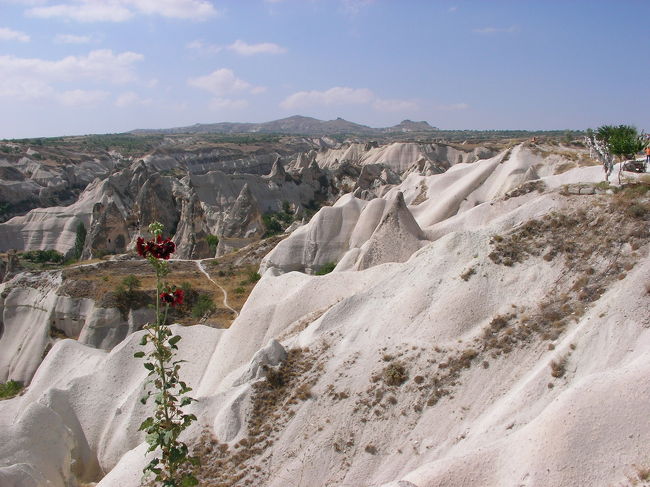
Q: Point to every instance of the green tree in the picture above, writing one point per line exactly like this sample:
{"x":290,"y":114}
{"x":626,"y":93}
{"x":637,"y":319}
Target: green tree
{"x":203,"y":306}
{"x":212,"y":241}
{"x":80,"y":240}
{"x":609,"y":141}
{"x":623,"y":141}
{"x":131,"y":283}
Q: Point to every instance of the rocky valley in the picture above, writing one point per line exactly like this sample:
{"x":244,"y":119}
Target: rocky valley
{"x":398,"y":308}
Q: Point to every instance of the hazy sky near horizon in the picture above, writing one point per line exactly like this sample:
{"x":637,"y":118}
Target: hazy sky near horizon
{"x":98,"y":66}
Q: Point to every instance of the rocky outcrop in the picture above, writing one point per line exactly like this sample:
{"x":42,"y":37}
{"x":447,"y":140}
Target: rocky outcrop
{"x":191,"y":233}
{"x":346,"y":233}
{"x":109,"y":231}
{"x":542,"y":359}
{"x":400,"y":156}
{"x":27,"y":182}
{"x":35,"y":315}
{"x":396,"y":238}
{"x":242,"y":224}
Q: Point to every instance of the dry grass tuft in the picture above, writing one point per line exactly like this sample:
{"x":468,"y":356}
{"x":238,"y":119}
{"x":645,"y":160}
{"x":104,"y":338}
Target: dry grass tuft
{"x":395,"y":374}
{"x":558,"y":367}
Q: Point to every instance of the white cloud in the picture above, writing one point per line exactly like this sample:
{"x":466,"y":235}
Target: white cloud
{"x":453,"y":107}
{"x":452,"y":9}
{"x":227,"y":104}
{"x":22,"y":88}
{"x":83,"y":12}
{"x":71,"y":39}
{"x":100,"y":65}
{"x":74,"y":98}
{"x":130,"y":98}
{"x":339,"y":95}
{"x":395,"y":105}
{"x":176,"y":9}
{"x":353,"y":7}
{"x":122,"y":10}
{"x":258,"y":89}
{"x":201,"y":47}
{"x":36,"y":79}
{"x":7,"y":34}
{"x":244,"y":49}
{"x":496,"y":30}
{"x":223,"y":82}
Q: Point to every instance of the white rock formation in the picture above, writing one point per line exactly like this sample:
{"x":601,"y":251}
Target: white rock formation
{"x":31,"y":310}
{"x":500,"y":423}
{"x":399,"y":156}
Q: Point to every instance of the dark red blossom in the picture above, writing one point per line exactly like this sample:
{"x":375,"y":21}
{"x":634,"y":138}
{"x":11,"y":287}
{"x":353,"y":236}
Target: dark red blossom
{"x":173,"y":298}
{"x":159,"y":248}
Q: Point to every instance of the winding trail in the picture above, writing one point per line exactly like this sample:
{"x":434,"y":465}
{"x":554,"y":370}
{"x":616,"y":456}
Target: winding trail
{"x":201,"y":268}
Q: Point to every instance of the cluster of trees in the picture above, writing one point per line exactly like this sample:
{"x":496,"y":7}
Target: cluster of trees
{"x":610,"y":142}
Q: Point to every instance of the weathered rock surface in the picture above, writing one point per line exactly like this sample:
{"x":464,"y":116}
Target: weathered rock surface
{"x":34,"y":316}
{"x":500,"y":421}
{"x":27,"y":183}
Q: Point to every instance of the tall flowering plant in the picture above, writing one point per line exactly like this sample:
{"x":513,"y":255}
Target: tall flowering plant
{"x":172,"y":467}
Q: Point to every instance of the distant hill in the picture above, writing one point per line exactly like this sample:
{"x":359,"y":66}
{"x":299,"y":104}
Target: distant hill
{"x":296,"y":125}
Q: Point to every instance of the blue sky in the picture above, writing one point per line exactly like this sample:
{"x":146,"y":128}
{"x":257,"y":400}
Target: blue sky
{"x":97,"y":66}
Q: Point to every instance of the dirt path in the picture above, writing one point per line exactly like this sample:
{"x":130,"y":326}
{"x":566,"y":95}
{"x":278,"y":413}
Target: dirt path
{"x":201,"y":268}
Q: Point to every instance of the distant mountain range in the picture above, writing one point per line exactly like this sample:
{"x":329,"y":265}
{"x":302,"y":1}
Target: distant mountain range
{"x":296,"y":125}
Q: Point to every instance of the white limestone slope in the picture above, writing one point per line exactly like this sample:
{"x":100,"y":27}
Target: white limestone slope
{"x":342,"y":233}
{"x":501,"y":424}
{"x":31,"y":308}
{"x":398,"y":156}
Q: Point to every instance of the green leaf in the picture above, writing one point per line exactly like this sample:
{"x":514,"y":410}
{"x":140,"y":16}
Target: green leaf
{"x":152,"y":439}
{"x":187,"y":400}
{"x":143,"y":340}
{"x":146,"y":423}
{"x":138,"y":354}
{"x":174,"y":340}
{"x":168,"y":437}
{"x":148,"y":366}
{"x":189,"y":481}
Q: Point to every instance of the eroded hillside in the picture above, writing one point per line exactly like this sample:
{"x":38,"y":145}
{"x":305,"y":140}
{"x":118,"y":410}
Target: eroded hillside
{"x":486,"y":325}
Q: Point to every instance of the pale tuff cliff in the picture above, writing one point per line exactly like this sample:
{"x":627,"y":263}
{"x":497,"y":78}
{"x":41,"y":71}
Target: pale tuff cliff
{"x":483,"y":327}
{"x":220,"y":193}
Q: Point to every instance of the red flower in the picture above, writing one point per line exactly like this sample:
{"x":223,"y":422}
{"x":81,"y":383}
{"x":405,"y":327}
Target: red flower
{"x":140,"y":247}
{"x":173,"y":298}
{"x":159,"y":248}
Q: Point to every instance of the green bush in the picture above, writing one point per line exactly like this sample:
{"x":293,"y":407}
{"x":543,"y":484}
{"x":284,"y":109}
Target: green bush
{"x":326,"y":268}
{"x":131,"y":283}
{"x":10,"y":389}
{"x":127,"y":296}
{"x":204,"y":306}
{"x":272,"y":224}
{"x":43,"y":256}
{"x":212,"y":241}
{"x":277,"y":222}
{"x":80,"y":240}
{"x":253,"y":277}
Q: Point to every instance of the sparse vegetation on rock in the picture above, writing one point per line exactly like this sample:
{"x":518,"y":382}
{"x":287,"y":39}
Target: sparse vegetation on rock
{"x":325,"y":269}
{"x":10,"y":389}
